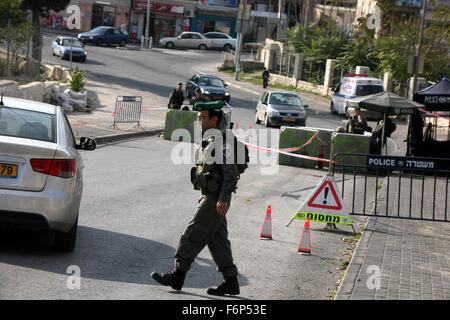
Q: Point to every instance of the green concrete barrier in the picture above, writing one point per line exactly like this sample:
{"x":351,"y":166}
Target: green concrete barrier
{"x":180,"y":119}
{"x":296,"y":137}
{"x":350,"y":143}
{"x":323,"y":142}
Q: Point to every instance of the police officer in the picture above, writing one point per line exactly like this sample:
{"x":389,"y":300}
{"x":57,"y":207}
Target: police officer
{"x":357,"y":124}
{"x":208,"y":227}
{"x":176,"y":97}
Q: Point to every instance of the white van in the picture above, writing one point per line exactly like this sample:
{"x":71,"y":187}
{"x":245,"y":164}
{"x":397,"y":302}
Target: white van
{"x":352,"y":87}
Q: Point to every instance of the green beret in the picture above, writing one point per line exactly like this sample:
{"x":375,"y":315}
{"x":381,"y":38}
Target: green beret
{"x":208,"y":105}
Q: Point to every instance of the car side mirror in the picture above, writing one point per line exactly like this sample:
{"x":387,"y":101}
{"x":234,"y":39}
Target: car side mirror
{"x":225,"y":84}
{"x":87,"y":144}
{"x":264,"y":103}
{"x":306,"y":106}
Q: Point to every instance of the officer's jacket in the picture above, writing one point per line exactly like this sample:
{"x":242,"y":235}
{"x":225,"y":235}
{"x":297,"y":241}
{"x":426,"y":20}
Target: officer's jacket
{"x":216,"y":171}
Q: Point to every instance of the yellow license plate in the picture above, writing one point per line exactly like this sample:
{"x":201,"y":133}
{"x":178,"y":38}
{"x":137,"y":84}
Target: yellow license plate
{"x":289,"y":119}
{"x":8,"y":170}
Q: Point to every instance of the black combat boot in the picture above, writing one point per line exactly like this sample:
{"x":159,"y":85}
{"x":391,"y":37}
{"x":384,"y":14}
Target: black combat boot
{"x":174,"y":278}
{"x":229,"y":286}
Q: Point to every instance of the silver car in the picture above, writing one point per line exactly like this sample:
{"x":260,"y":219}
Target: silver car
{"x":276,"y":108}
{"x":193,"y":40}
{"x":41,"y":179}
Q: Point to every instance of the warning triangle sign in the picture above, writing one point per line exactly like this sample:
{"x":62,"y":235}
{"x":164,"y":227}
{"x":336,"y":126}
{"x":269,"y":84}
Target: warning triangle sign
{"x":325,"y":196}
{"x":324,"y":204}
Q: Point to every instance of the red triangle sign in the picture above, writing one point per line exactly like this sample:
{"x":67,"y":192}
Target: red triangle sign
{"x":325,"y":197}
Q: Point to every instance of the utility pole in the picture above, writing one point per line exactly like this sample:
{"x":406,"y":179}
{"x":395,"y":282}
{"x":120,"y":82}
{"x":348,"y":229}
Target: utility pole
{"x":417,"y":58}
{"x":237,"y":56}
{"x":280,"y":20}
{"x":147,"y":26}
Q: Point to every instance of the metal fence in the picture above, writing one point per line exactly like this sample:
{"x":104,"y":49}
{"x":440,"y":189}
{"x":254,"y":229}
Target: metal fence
{"x":394,"y":187}
{"x":128,"y":110}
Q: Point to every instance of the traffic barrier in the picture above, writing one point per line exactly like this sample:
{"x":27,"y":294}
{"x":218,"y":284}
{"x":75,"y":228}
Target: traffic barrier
{"x":346,"y":143}
{"x":128,"y":110}
{"x":295,"y":137}
{"x":266,"y":231}
{"x":180,"y":119}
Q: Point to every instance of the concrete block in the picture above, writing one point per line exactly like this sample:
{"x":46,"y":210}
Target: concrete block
{"x":347,"y":143}
{"x":9,"y":88}
{"x":295,"y":137}
{"x":32,"y":91}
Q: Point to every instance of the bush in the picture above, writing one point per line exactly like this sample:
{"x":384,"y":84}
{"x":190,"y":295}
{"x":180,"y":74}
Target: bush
{"x":77,"y":79}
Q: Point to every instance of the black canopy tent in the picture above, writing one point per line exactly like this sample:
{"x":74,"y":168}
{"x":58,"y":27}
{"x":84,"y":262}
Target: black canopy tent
{"x":435,"y":97}
{"x":436,"y":100}
{"x":387,"y":104}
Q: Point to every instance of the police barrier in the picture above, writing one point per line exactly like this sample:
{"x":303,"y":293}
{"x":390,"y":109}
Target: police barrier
{"x":394,"y":187}
{"x":127,"y":110}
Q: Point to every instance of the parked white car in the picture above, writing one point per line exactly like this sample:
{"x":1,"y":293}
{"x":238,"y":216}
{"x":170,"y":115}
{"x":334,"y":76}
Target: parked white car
{"x":221,"y":40}
{"x":192,"y":40}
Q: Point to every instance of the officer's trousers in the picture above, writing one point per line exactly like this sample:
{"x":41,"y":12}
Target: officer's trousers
{"x":206,"y":228}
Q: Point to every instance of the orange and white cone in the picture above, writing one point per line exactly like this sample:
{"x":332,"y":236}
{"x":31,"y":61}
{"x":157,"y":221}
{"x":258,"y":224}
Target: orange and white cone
{"x":266,"y":231}
{"x":305,"y":240}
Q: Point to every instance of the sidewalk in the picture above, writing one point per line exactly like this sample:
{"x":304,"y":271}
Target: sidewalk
{"x":413,"y":258}
{"x":98,"y":123}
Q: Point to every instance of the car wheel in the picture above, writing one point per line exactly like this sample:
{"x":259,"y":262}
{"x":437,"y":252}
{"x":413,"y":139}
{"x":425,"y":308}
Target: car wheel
{"x":98,"y":42}
{"x":227,"y":47}
{"x":202,"y":47}
{"x":61,"y":56}
{"x":170,"y":45}
{"x":65,"y":241}
{"x":333,"y":111}
{"x":266,"y":121}
{"x":122,"y":43}
{"x":257,"y":121}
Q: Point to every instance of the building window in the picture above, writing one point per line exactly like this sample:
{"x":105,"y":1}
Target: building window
{"x":103,"y":15}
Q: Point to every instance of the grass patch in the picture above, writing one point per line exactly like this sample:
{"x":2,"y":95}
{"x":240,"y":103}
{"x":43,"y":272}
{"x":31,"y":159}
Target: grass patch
{"x":354,"y":239}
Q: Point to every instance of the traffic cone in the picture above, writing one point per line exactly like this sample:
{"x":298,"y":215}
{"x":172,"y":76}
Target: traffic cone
{"x":305,"y":240}
{"x":266,"y":231}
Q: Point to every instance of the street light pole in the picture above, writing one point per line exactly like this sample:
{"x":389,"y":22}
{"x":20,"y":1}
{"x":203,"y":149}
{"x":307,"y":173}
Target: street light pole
{"x":417,"y":58}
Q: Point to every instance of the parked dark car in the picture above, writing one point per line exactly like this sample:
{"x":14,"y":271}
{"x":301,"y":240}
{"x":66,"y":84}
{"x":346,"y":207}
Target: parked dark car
{"x":105,"y":35}
{"x":212,"y":86}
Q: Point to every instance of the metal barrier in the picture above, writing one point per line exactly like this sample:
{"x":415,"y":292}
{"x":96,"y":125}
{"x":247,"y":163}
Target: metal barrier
{"x":128,"y":110}
{"x":395,"y":187}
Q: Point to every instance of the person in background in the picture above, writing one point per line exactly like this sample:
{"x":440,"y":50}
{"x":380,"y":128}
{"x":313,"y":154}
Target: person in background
{"x":265,"y":77}
{"x":176,"y":97}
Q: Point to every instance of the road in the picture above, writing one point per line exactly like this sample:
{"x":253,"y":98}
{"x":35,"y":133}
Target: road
{"x":137,"y":202}
{"x":135,"y":206}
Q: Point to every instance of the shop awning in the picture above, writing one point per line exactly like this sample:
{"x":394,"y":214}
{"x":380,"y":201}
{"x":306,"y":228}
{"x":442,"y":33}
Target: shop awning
{"x":435,"y":97}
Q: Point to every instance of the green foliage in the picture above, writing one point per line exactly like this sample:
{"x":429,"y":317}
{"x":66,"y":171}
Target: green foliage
{"x":318,"y":42}
{"x":77,"y":79}
{"x":11,"y":11}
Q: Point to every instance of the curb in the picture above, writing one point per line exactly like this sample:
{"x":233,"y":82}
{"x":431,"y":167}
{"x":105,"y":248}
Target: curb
{"x":103,"y":140}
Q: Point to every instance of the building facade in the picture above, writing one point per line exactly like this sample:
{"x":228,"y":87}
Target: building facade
{"x":94,"y":13}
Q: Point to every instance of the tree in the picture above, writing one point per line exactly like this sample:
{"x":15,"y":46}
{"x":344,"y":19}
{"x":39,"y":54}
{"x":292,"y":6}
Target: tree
{"x":41,"y":8}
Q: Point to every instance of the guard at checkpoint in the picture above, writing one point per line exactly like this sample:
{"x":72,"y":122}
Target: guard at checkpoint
{"x":216,"y":182}
{"x":357,"y":123}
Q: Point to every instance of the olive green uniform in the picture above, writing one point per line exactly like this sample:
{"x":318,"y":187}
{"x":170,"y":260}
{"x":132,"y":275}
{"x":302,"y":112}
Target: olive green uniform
{"x":207,"y":227}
